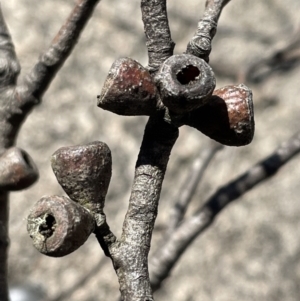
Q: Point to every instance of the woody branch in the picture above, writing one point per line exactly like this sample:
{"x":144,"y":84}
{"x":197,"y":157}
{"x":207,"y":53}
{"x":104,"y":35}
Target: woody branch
{"x":16,"y":102}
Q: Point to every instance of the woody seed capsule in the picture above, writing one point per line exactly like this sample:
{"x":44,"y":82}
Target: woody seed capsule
{"x":228,"y":116}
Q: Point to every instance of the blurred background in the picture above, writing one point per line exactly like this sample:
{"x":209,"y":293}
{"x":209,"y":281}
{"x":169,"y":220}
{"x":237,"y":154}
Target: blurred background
{"x":252,"y":251}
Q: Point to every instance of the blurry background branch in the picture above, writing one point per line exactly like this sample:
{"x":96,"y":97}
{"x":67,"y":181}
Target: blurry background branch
{"x":187,"y":190}
{"x":17,"y":168}
{"x":176,"y":243}
{"x":256,"y":239}
{"x":281,"y":60}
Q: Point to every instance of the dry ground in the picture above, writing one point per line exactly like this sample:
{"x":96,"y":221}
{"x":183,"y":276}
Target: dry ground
{"x":252,"y":252}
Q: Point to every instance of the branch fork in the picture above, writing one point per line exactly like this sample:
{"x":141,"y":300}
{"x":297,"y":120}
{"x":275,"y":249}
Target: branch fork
{"x":182,"y":85}
{"x":17,"y":99}
{"x":174,"y":90}
{"x":184,"y":88}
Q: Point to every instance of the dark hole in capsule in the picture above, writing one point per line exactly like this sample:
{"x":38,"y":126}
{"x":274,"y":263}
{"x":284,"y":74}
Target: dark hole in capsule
{"x":187,"y":74}
{"x":47,"y":228}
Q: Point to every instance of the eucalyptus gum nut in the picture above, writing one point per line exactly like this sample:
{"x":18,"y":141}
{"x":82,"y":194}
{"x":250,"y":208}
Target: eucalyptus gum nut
{"x":228,"y":117}
{"x":58,"y":226}
{"x":84,"y":172}
{"x":17,"y":170}
{"x":128,"y":89}
{"x":185,"y":83}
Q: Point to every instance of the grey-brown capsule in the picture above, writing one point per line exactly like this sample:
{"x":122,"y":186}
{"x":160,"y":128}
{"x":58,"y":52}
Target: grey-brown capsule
{"x":185,"y":83}
{"x":84,"y":172}
{"x":228,"y":117}
{"x":17,"y":170}
{"x":128,"y":89}
{"x":58,"y":226}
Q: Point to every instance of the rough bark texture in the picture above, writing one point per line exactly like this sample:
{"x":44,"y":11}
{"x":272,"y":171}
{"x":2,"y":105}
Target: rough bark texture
{"x":200,"y":44}
{"x":130,"y":254}
{"x":109,"y":239}
{"x":16,"y":101}
{"x":185,"y":83}
{"x":158,"y":36}
{"x":9,"y":70}
{"x":38,"y":80}
{"x":255,"y":239}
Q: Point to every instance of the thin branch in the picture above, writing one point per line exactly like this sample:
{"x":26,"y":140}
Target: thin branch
{"x":130,"y":254}
{"x":9,"y":71}
{"x":39,"y":78}
{"x":200,"y":44}
{"x":280,"y":60}
{"x":4,"y":243}
{"x":158,"y":36}
{"x":15,"y":103}
{"x":20,"y":100}
{"x":189,"y":187}
{"x":167,"y":256}
{"x":9,"y":66}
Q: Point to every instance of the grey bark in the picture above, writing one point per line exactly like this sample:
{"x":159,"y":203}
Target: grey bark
{"x":130,"y":254}
{"x":158,"y":36}
{"x":200,"y":44}
{"x":16,"y":101}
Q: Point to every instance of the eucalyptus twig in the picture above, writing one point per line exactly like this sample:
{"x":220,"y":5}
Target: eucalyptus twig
{"x":22,"y":98}
{"x":280,"y":60}
{"x":130,"y":254}
{"x":187,"y":190}
{"x":167,"y":256}
{"x":200,"y":44}
{"x":158,"y":36}
{"x":129,"y":89}
{"x":181,"y":92}
{"x":39,"y":78}
{"x":84,"y":173}
{"x":15,"y":104}
{"x":9,"y":70}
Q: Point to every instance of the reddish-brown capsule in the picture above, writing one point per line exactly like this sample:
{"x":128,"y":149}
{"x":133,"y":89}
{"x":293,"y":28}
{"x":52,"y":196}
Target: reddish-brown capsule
{"x":84,"y":172}
{"x":17,"y":170}
{"x":128,"y":89}
{"x":185,"y":83}
{"x":228,"y":116}
{"x":58,"y":226}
